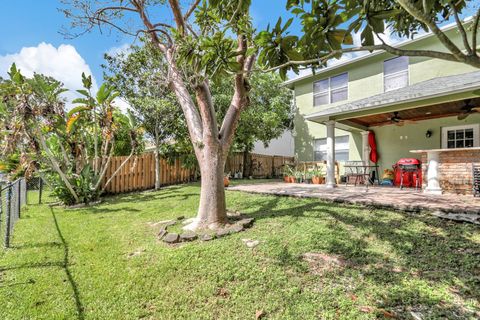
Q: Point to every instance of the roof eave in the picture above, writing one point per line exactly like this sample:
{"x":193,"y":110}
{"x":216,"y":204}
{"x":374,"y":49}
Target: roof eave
{"x":325,"y":115}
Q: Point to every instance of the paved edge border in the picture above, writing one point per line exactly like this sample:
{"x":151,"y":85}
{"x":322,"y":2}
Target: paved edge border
{"x":369,"y":204}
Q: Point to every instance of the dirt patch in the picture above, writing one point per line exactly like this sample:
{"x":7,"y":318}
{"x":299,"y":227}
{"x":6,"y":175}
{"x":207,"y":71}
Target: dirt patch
{"x":319,"y":263}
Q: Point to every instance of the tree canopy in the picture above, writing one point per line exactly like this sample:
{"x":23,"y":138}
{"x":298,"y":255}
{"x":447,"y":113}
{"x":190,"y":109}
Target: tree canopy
{"x":139,"y":75}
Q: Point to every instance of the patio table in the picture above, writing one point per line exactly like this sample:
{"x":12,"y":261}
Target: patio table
{"x":363,"y":170}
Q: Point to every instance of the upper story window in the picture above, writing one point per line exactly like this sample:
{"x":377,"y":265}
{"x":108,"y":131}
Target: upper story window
{"x":460,"y":137}
{"x":330,"y":90}
{"x":395,"y":73}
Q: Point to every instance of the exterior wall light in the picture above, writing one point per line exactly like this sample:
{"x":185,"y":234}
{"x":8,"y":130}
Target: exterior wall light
{"x":428,"y":134}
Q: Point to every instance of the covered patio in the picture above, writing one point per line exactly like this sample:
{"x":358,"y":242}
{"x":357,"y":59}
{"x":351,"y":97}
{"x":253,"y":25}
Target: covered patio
{"x":436,"y":121}
{"x":377,"y":196}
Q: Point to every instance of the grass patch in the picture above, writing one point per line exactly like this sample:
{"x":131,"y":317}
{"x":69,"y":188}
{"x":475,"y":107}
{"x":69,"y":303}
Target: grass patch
{"x":104,"y":262}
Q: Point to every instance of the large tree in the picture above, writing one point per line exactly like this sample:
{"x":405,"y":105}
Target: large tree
{"x":207,"y":41}
{"x":139,"y":74}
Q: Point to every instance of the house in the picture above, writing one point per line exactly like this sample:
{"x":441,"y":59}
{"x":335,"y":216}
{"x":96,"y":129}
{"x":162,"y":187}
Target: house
{"x":282,"y":146}
{"x":417,"y":107}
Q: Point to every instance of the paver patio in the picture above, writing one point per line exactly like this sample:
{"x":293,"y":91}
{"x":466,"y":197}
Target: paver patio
{"x":382,"y":197}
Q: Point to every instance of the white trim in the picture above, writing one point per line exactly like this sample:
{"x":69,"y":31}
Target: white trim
{"x":476,"y":135}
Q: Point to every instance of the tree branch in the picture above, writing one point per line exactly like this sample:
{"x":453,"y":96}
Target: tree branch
{"x":239,"y":99}
{"x":191,"y":10}
{"x":475,"y":32}
{"x":192,"y":116}
{"x":56,"y":166}
{"x":118,"y":8}
{"x":417,"y":14}
{"x":385,"y":47}
{"x":141,"y":11}
{"x":116,"y":172}
{"x":207,"y":111}
{"x":177,"y":15}
{"x":460,"y":27}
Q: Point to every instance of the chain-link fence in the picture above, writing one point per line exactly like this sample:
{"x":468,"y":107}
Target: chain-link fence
{"x":14,"y":196}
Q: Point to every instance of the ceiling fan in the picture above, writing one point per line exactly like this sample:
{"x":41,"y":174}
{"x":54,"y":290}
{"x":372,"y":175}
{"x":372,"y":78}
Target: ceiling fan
{"x":397,"y":120}
{"x":467,"y":109}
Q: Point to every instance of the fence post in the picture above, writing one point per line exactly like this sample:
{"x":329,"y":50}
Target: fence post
{"x":8,"y":215}
{"x":40,"y":190}
{"x":19,"y":200}
{"x":273,"y":167}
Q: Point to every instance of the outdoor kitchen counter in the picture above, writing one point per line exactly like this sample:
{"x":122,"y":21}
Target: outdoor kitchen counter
{"x":449,"y":169}
{"x":445,"y":150}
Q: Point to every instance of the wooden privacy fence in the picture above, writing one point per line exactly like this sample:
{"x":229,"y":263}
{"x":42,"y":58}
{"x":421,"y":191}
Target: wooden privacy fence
{"x":262,"y":165}
{"x":139,"y":173}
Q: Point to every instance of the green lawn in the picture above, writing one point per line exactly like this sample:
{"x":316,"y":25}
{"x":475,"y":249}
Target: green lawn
{"x":104,"y":262}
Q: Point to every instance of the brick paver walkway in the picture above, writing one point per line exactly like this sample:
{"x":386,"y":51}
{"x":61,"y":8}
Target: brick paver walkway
{"x":382,"y":197}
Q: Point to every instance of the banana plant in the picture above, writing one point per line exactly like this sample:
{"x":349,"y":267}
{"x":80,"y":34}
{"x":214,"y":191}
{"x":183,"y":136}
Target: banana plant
{"x":76,"y":146}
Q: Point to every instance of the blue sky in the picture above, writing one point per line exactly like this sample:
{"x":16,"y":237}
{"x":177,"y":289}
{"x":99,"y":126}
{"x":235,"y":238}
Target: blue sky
{"x":29,"y":36}
{"x":29,"y":23}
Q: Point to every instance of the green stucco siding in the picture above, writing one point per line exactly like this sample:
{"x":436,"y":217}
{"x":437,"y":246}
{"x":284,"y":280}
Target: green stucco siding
{"x":366,"y":79}
{"x":306,"y":132}
{"x":395,"y":142}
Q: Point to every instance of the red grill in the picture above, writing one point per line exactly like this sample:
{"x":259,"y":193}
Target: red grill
{"x":408,"y":173}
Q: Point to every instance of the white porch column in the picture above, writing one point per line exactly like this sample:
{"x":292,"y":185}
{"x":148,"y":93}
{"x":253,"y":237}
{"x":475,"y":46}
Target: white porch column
{"x":330,"y":181}
{"x":365,"y":148}
{"x":433,"y":185}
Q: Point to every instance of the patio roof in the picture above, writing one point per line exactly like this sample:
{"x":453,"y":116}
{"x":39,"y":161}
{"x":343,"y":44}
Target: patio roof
{"x":434,"y":88}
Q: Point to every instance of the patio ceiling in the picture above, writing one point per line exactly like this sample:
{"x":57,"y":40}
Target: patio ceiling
{"x":416,"y":114}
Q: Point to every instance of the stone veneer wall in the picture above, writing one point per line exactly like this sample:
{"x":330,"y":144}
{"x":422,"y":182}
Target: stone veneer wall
{"x":455,"y":170}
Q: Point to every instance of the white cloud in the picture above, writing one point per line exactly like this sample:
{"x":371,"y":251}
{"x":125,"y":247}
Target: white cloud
{"x":124,"y":48}
{"x":63,"y":63}
{"x":121,"y":104}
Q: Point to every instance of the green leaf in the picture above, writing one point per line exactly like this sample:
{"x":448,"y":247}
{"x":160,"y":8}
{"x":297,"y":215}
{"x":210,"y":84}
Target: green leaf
{"x":81,"y":100}
{"x":78,"y":109}
{"x":103,"y":93}
{"x":83,"y":92}
{"x":87,"y":81}
{"x":367,"y":36}
{"x":377,"y":25}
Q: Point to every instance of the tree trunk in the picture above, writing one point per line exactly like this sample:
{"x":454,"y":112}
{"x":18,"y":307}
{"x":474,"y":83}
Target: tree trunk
{"x":212,"y":212}
{"x":157,"y":169}
{"x":246,"y":165}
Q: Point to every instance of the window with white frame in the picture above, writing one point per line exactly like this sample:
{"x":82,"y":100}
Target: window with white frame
{"x":395,"y":73}
{"x":460,"y":137}
{"x":330,"y":90}
{"x":342,"y":148}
